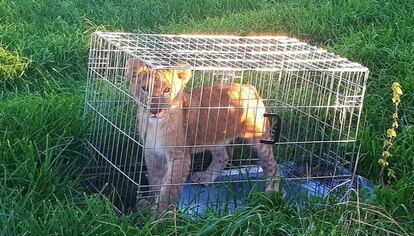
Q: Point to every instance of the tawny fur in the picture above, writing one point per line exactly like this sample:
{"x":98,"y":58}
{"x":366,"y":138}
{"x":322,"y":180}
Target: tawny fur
{"x":179,"y":123}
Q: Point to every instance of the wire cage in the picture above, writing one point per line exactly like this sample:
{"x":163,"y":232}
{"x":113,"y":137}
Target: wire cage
{"x":224,"y":108}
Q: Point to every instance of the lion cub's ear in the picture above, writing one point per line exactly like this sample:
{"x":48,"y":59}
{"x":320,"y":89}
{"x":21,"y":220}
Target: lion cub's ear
{"x":184,"y":75}
{"x":134,"y":67}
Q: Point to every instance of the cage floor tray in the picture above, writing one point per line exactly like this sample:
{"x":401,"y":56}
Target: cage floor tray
{"x":227,"y":195}
{"x":235,"y":185}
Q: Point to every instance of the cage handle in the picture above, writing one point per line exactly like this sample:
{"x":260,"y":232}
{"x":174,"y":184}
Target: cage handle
{"x":275,"y":131}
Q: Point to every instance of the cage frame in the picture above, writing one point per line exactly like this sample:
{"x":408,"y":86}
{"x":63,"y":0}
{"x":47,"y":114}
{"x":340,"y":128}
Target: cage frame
{"x":291,"y":68}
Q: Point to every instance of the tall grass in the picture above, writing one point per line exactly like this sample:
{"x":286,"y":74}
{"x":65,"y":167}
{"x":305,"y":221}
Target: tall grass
{"x":43,"y":58}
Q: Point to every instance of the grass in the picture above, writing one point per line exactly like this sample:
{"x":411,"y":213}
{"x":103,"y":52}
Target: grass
{"x":43,"y":58}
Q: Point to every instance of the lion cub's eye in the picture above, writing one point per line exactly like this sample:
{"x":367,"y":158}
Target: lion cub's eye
{"x":167,"y":90}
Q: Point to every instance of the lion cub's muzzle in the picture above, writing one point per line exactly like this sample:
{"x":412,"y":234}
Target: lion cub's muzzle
{"x":158,"y":105}
{"x":155,"y":111}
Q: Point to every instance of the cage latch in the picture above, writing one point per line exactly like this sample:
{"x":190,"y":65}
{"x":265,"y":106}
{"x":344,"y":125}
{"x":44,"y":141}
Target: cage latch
{"x":276,"y":129}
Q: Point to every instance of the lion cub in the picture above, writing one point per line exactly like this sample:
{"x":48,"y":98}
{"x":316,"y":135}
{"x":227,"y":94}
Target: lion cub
{"x":173,"y":124}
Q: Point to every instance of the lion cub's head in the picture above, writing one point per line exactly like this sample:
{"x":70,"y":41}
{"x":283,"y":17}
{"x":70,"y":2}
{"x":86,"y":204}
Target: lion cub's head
{"x":158,"y":90}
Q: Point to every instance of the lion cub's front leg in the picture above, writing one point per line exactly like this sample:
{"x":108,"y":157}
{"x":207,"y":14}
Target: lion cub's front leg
{"x":178,"y":163}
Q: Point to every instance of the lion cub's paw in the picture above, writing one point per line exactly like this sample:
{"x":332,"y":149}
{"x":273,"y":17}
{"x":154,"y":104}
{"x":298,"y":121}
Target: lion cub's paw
{"x":273,"y":186}
{"x":203,"y":177}
{"x":142,"y":203}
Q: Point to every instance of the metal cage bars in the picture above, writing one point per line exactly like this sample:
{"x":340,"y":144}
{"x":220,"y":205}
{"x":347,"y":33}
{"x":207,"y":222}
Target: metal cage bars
{"x":318,"y":95}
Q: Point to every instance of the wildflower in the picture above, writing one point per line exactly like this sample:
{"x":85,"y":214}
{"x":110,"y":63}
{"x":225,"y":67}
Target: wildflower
{"x":383,"y":162}
{"x":387,"y":143}
{"x":391,"y":133}
{"x":386,"y":154}
{"x":396,"y":100}
{"x":397,"y":89}
{"x":395,"y":115}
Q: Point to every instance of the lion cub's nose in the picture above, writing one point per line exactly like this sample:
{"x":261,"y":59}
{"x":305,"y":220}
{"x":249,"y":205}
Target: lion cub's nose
{"x":154,"y":111}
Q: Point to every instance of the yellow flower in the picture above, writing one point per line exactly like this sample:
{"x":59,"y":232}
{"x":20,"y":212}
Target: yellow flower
{"x":386,"y":154}
{"x":395,"y":124}
{"x":391,"y":133}
{"x":396,"y":88}
{"x":395,"y":115}
{"x":387,"y":143}
{"x":396,"y":100}
{"x":383,"y":162}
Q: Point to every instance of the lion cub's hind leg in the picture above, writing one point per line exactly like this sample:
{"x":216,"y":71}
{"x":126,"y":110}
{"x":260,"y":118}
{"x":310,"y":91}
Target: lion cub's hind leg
{"x":212,"y":172}
{"x":268,"y":163}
